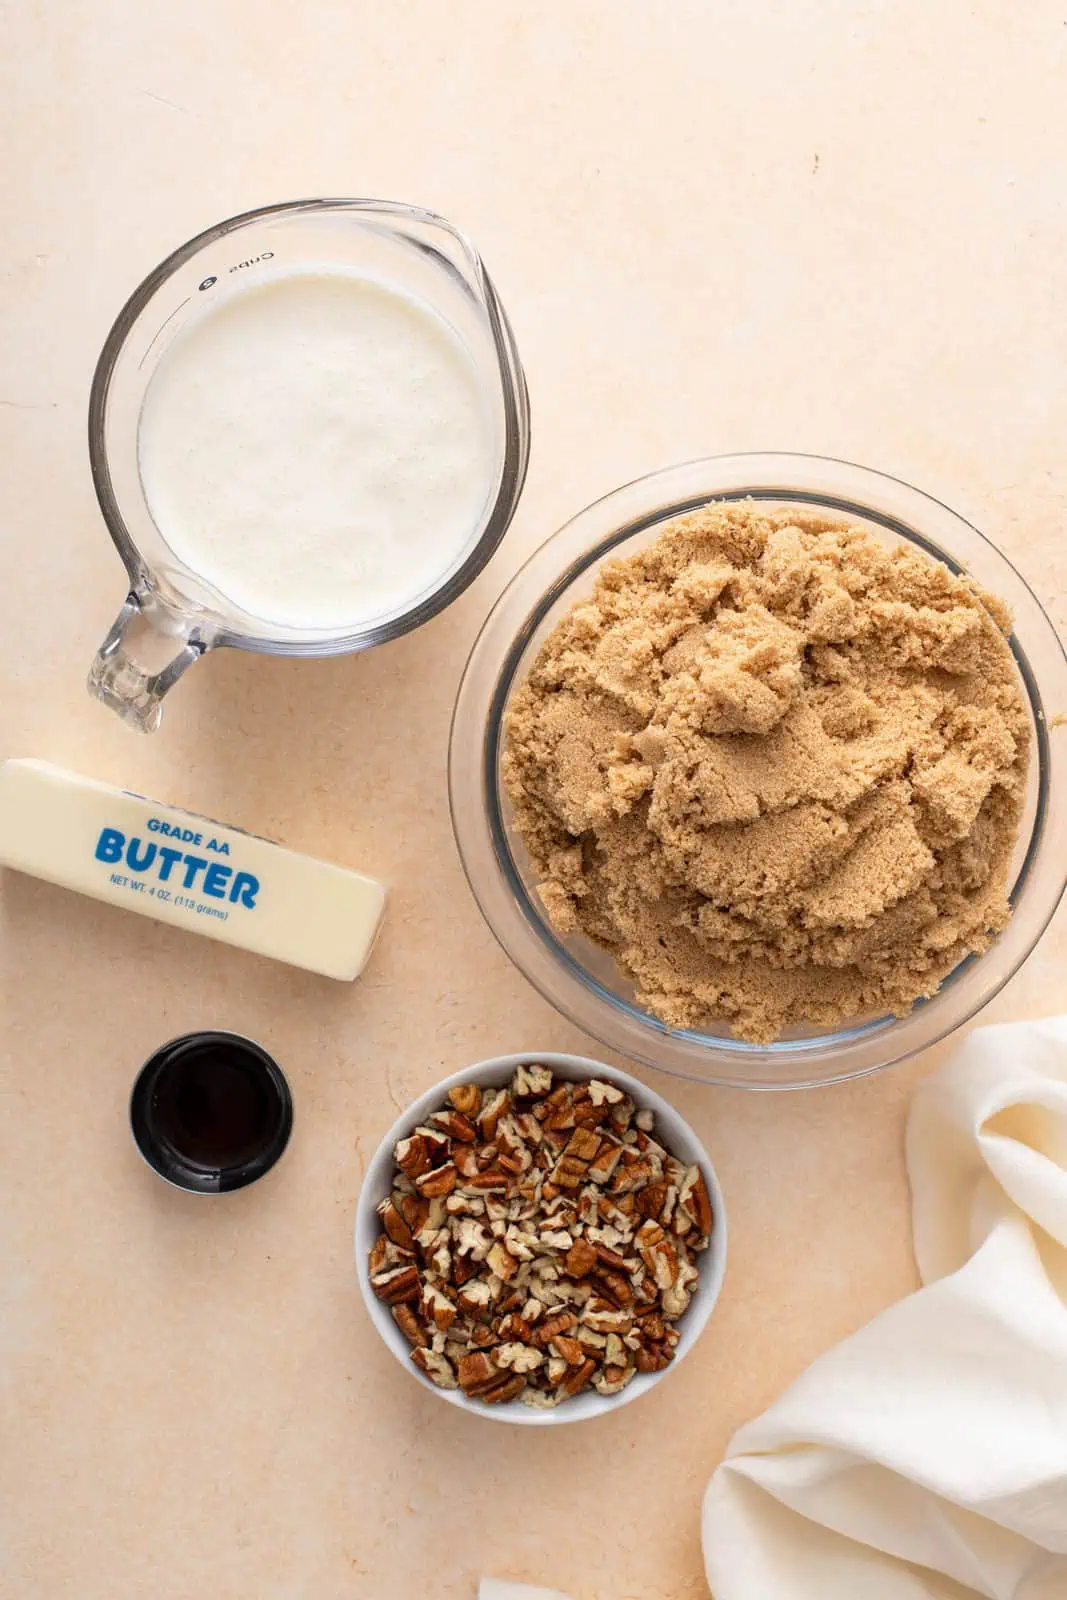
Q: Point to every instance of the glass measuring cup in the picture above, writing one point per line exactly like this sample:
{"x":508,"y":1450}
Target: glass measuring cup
{"x":173,"y":615}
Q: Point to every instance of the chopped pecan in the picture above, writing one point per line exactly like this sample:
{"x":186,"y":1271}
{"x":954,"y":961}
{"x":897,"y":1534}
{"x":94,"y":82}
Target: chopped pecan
{"x":651,"y":1200}
{"x":510,"y":1300}
{"x":569,"y":1349}
{"x":613,"y":1380}
{"x":509,"y":1388}
{"x":395,"y":1225}
{"x":531,"y":1078}
{"x":651,"y":1325}
{"x":464,"y":1268}
{"x":611,"y":1259}
{"x":615,"y":1287}
{"x":438,"y":1182}
{"x":397,"y":1284}
{"x":414,"y":1210}
{"x":494,"y":1180}
{"x":538,"y":1239}
{"x":698,"y":1205}
{"x":474,"y":1297}
{"x":513,"y":1327}
{"x":455,"y":1125}
{"x":477,"y":1373}
{"x":576,"y":1379}
{"x":412,"y":1156}
{"x":466,"y":1098}
{"x":582,"y":1145}
{"x":466,"y":1158}
{"x":658,"y":1254}
{"x":410,"y":1326}
{"x":632,"y":1173}
{"x":497,"y":1106}
{"x":552,"y":1327}
{"x":587,"y":1114}
{"x":606,"y":1160}
{"x":436,"y":1367}
{"x":518,"y":1357}
{"x":603,"y":1093}
{"x":569,"y":1172}
{"x":500,"y":1261}
{"x":652,"y":1358}
{"x":581,"y":1258}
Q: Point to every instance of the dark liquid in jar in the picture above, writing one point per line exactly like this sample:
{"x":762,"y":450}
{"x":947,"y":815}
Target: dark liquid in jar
{"x":214,"y":1106}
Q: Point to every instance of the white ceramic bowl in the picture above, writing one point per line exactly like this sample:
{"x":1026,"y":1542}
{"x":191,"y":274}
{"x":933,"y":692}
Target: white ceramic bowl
{"x":671,"y":1130}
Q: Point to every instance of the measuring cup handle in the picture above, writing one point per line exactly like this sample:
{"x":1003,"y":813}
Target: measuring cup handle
{"x":130,"y":690}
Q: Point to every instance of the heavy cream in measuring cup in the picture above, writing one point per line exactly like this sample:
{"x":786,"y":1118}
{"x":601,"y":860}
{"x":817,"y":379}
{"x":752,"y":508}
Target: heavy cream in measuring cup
{"x":319,"y":449}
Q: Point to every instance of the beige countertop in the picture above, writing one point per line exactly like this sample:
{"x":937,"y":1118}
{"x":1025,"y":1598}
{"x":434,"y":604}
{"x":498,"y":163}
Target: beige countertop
{"x":717,"y":226}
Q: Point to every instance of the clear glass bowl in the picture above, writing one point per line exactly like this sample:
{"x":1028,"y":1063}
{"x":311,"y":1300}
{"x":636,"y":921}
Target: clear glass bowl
{"x":581,"y":980}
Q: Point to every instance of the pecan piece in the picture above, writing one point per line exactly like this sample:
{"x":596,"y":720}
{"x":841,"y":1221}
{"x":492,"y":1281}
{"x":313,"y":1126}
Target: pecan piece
{"x":436,"y":1367}
{"x":410,"y":1326}
{"x":414,"y":1210}
{"x":613,"y":1380}
{"x":513,"y":1328}
{"x":466,"y":1158}
{"x":603,"y":1166}
{"x":611,"y":1259}
{"x":583,"y":1145}
{"x":502,"y":1262}
{"x":497,"y":1106}
{"x":396,"y":1284}
{"x":412,"y":1156}
{"x":438,"y":1307}
{"x":509,"y":1389}
{"x":632,"y":1173}
{"x":658,"y":1254}
{"x":518,"y":1357}
{"x":552,"y":1327}
{"x":651,"y":1200}
{"x":474,"y":1297}
{"x":464,"y":1268}
{"x":698,"y":1204}
{"x":581,"y":1258}
{"x":652,"y":1325}
{"x":569,"y":1349}
{"x":481,"y":1378}
{"x":493,"y":1180}
{"x":653,"y":1358}
{"x":455,"y":1125}
{"x":438,"y":1182}
{"x":587,"y":1114}
{"x":531,"y":1078}
{"x":568,"y":1173}
{"x":395,"y":1225}
{"x":576,"y":1380}
{"x":615,"y":1287}
{"x":466,"y":1098}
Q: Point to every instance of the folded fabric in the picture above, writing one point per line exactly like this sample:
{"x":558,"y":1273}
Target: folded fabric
{"x":925,"y":1458}
{"x":927,"y":1454}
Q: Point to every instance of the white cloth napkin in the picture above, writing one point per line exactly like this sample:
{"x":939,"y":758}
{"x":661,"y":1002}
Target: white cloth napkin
{"x":926,"y":1456}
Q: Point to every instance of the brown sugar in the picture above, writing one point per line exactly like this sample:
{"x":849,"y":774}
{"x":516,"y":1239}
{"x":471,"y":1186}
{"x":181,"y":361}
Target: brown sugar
{"x":776,"y":767}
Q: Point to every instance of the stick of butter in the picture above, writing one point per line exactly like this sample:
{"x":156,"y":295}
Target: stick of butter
{"x":185,"y":869}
